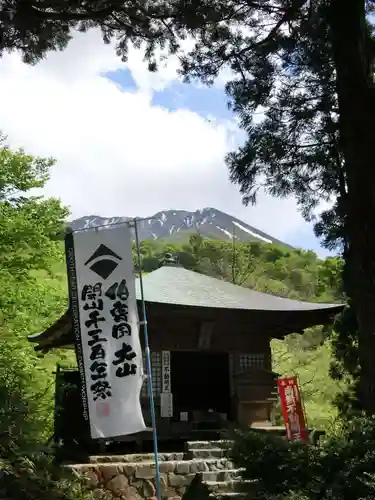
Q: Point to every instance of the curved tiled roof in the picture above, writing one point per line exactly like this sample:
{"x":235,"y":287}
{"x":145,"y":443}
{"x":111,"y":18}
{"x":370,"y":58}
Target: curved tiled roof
{"x":179,"y":286}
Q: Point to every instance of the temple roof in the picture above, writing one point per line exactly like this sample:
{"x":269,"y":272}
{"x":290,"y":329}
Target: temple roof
{"x":179,"y":286}
{"x":176,"y":286}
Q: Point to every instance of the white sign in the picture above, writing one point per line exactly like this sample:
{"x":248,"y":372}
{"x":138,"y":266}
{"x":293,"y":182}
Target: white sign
{"x":166,"y":398}
{"x":166,"y":405}
{"x":106,"y":327}
{"x":166,"y":371}
{"x":184,"y":416}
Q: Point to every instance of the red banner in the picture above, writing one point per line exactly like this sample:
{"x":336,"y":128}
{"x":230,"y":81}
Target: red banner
{"x":291,"y":406}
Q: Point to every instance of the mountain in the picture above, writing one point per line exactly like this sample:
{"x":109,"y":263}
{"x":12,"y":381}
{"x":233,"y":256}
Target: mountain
{"x":177,"y":225}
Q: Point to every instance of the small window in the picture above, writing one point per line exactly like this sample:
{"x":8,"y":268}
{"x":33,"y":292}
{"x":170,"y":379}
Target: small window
{"x":156,"y":374}
{"x":251,"y":362}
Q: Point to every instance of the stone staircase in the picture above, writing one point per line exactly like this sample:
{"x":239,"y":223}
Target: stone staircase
{"x":222,"y":478}
{"x":132,"y":477}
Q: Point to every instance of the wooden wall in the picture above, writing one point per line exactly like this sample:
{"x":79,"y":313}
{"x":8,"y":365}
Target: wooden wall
{"x":178,"y":329}
{"x":212,"y":330}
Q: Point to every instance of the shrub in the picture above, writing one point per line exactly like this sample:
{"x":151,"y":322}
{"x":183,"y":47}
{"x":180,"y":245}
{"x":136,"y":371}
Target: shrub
{"x":341,"y":467}
{"x":39,"y":479}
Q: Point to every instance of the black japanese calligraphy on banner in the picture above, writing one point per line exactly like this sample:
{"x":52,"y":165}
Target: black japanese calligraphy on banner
{"x":125,"y":358}
{"x":166,"y":371}
{"x":166,"y":398}
{"x":100,"y":387}
{"x":107,"y":319}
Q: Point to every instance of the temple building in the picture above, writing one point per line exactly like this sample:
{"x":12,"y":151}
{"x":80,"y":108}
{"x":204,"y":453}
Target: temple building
{"x":210,"y":352}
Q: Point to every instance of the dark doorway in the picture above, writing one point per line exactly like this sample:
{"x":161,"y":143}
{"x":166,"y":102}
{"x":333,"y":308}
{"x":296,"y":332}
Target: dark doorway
{"x":200,"y":381}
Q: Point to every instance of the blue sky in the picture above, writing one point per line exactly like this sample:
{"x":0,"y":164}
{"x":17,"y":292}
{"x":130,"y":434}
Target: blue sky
{"x":206,"y":102}
{"x":138,"y":142}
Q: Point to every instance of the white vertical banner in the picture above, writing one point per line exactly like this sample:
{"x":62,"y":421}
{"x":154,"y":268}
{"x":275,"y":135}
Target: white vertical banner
{"x":166,"y":398}
{"x":106,"y":327}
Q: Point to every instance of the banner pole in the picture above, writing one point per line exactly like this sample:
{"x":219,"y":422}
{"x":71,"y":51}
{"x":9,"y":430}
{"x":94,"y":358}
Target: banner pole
{"x":303,"y":402}
{"x":148,"y":365}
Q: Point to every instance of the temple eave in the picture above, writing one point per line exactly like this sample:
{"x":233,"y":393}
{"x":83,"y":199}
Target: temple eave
{"x":274,"y":324}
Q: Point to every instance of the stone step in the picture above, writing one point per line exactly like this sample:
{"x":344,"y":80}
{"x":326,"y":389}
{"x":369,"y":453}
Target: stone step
{"x":147,"y":468}
{"x":222,"y":486}
{"x":206,"y":445}
{"x":206,"y":453}
{"x":135,"y":457}
{"x":234,"y":486}
{"x":229,"y":495}
{"x":221,"y":475}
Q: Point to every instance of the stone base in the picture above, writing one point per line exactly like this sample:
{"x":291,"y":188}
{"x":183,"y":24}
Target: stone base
{"x":133,"y":477}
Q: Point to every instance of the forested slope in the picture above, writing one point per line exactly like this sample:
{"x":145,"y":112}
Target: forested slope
{"x":295,"y":274}
{"x":34,"y":293}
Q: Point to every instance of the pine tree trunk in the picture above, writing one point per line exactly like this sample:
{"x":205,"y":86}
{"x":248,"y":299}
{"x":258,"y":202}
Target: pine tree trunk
{"x":356,"y":101}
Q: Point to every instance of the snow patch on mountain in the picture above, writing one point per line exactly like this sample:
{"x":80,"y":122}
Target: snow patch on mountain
{"x":227,"y":233}
{"x":253,"y":233}
{"x":210,"y":223}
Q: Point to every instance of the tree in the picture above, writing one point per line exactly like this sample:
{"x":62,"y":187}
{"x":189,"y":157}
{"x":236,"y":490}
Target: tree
{"x":34,"y":27}
{"x":30,"y":298}
{"x":307,"y":145}
{"x":307,"y":65}
{"x":196,"y":244}
{"x":29,"y":223}
{"x":27,"y":247}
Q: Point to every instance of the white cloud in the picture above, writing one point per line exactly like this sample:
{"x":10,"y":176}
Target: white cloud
{"x":117,"y":154}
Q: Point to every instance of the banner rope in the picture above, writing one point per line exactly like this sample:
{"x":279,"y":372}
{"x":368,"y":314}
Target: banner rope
{"x":148,"y":365}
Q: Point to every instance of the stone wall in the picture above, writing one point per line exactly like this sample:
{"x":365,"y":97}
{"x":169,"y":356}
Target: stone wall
{"x":135,"y":479}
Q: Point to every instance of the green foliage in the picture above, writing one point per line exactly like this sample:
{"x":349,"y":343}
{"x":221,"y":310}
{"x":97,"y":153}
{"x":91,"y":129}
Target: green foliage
{"x":308,"y":67}
{"x":20,"y":172}
{"x":281,"y":56}
{"x":264,"y":267}
{"x":33,"y":294}
{"x":291,"y":61}
{"x":312,"y":366}
{"x":36,"y":477}
{"x":296,"y":274}
{"x":31,"y":297}
{"x":29,"y":224}
{"x":26,"y":303}
{"x":341,"y":467}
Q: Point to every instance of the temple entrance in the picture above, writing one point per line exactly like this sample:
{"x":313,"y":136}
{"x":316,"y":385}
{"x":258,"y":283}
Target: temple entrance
{"x":200,"y":382}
